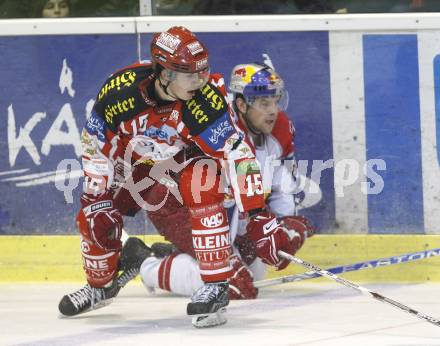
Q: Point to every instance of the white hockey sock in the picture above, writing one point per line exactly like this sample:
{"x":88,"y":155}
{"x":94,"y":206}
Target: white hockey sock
{"x":179,"y":274}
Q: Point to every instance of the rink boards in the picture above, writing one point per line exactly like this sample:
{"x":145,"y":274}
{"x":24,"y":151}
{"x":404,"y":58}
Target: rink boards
{"x":57,"y":258}
{"x":364,"y":98}
{"x":363,"y":103}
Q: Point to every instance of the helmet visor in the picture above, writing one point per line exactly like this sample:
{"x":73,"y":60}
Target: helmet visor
{"x":274,"y":102}
{"x":191,"y":81}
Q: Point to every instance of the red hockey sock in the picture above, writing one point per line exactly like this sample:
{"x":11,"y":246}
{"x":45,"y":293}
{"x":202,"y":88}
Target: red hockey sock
{"x":100,"y":265}
{"x":212,"y":241}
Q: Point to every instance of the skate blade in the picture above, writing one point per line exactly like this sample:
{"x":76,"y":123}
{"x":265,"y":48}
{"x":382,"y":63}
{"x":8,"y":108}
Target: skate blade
{"x":97,"y":306}
{"x":210,"y":320}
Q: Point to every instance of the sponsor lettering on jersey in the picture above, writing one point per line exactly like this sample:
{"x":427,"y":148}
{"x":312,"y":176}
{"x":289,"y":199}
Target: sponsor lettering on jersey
{"x":209,"y":242}
{"x":203,"y":109}
{"x":213,"y":256}
{"x":95,"y":125}
{"x":118,"y":108}
{"x":99,"y":264}
{"x":216,"y":101}
{"x":164,"y":133}
{"x":206,"y":210}
{"x":154,"y":132}
{"x":123,"y":80}
{"x":96,"y":264}
{"x":212,"y":221}
{"x":215,"y":98}
{"x":198,"y":113}
{"x":168,"y":42}
{"x":218,"y":132}
{"x":247,"y":166}
{"x":223,"y":130}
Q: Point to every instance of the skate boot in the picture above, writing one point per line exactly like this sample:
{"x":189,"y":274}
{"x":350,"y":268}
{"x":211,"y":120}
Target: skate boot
{"x":87,"y":298}
{"x":162,"y":250}
{"x":90,"y":298}
{"x":133,"y":254}
{"x":208,"y":305}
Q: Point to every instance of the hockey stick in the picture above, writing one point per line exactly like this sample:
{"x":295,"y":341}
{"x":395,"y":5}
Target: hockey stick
{"x":358,"y":288}
{"x":382,"y":262}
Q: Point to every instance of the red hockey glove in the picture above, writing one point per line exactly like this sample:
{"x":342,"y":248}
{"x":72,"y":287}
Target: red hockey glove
{"x":103,"y":220}
{"x":241,"y":284}
{"x":270,"y":237}
{"x":298,"y":228}
{"x":246,"y":248}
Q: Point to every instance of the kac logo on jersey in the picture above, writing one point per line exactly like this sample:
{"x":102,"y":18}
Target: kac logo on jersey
{"x":213,"y":220}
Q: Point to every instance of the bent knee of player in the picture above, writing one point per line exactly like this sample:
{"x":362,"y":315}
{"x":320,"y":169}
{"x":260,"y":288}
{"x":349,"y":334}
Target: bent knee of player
{"x":185,"y":275}
{"x":149,"y":272}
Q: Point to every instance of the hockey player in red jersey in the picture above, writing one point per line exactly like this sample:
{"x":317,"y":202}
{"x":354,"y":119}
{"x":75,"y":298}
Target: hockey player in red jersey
{"x":143,"y":116}
{"x":259,"y":101}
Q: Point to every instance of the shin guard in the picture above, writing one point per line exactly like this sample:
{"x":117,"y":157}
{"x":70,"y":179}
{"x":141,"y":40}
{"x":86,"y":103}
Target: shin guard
{"x":212,"y":242}
{"x":100,"y":265}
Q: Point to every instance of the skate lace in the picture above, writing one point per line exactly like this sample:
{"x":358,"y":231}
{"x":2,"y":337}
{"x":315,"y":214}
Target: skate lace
{"x":127,"y":276}
{"x":206,"y":293}
{"x":86,"y":295}
{"x":97,"y":296}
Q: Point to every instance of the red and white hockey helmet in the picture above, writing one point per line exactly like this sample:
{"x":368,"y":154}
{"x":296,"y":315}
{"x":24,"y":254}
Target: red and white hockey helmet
{"x":178,"y":49}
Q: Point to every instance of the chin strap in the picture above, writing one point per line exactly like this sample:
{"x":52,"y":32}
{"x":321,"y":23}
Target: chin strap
{"x":248,"y":123}
{"x":259,"y":137}
{"x":253,"y":130}
{"x":164,"y":87}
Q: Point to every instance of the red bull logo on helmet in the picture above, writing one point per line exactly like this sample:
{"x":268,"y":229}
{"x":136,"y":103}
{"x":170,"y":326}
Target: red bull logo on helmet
{"x":246,"y":73}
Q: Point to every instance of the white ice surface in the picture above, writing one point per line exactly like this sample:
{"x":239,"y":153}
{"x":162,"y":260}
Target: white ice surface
{"x":289,"y":314}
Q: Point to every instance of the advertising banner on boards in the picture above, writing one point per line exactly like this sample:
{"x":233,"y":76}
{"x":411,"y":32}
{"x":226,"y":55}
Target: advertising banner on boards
{"x":49,"y":84}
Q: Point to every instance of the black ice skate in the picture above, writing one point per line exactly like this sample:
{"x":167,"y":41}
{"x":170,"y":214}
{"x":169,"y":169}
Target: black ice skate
{"x":133,"y":254}
{"x":87,"y":298}
{"x":162,"y":250}
{"x":208,"y":305}
{"x":90,"y":298}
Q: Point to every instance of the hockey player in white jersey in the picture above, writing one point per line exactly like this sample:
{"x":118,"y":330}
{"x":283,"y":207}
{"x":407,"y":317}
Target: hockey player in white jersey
{"x":259,"y":101}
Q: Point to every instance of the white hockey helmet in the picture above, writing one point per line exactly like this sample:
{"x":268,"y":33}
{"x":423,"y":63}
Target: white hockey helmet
{"x":255,"y":80}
